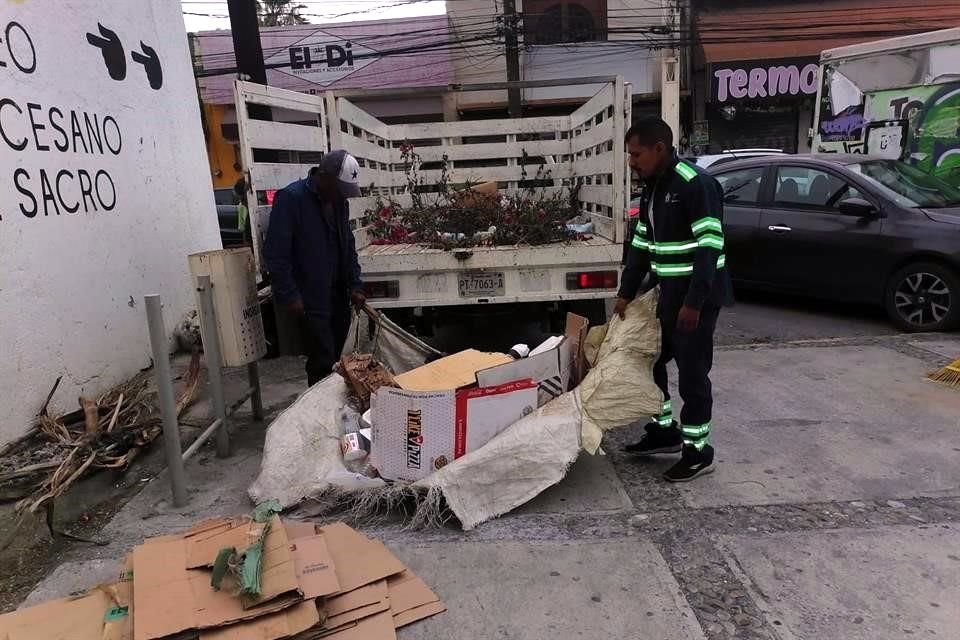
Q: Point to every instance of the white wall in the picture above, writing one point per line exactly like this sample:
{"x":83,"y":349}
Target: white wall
{"x":72,"y":284}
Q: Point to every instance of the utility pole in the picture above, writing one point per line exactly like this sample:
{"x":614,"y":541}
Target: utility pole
{"x":245,"y":29}
{"x":513,"y":56}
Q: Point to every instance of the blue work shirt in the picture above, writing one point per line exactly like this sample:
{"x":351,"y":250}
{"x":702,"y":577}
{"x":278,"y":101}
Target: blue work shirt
{"x":310,"y":250}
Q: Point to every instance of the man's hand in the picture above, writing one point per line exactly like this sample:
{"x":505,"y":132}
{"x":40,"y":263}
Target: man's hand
{"x":358,"y":299}
{"x":296,"y":308}
{"x":688,"y":319}
{"x":620,"y":308}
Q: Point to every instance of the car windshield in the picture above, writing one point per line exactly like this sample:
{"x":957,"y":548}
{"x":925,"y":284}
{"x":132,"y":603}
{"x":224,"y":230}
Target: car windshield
{"x":907,"y":185}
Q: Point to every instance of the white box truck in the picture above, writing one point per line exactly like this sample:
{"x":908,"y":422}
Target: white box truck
{"x":583,"y":151}
{"x":897,"y":98}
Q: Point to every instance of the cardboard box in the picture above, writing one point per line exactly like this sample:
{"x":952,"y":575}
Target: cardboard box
{"x":550,"y":369}
{"x":418,"y":432}
{"x":357,"y":604}
{"x":450,"y":373}
{"x":169,"y":598}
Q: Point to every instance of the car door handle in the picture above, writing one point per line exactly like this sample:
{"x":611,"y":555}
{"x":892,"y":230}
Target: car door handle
{"x":779,"y":228}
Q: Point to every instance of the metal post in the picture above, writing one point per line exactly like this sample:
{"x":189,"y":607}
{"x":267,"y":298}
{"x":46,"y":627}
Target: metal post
{"x":256,"y":399}
{"x":211,"y":353}
{"x":168,"y":407}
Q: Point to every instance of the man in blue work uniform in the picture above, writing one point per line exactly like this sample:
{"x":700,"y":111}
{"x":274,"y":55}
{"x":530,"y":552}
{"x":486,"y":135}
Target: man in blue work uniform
{"x":312,"y":257}
{"x":679,"y":241}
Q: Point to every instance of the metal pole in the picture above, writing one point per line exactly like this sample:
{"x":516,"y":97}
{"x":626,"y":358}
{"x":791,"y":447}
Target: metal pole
{"x":256,"y":398}
{"x":168,"y":407}
{"x":211,"y":353}
{"x":510,"y":28}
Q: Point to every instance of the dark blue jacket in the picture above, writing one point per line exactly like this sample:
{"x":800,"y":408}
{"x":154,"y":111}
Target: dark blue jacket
{"x":311,"y":256}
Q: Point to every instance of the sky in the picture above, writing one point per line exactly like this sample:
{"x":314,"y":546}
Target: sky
{"x":316,"y":11}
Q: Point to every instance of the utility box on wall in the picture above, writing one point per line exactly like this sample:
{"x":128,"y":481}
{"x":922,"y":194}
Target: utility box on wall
{"x":233,"y":276}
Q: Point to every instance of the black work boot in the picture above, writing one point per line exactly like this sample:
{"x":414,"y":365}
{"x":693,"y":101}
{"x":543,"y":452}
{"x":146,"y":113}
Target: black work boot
{"x":692,"y":464}
{"x":657,"y":439}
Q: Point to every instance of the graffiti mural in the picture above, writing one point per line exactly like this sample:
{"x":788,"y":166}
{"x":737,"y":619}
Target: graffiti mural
{"x":929,"y":116}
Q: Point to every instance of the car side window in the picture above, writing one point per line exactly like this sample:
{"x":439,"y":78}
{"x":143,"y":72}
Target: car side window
{"x":741,"y":187}
{"x":808,"y":188}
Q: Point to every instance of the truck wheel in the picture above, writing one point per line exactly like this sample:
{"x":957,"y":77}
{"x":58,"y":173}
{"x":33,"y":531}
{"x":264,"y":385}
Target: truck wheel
{"x":924,"y":296}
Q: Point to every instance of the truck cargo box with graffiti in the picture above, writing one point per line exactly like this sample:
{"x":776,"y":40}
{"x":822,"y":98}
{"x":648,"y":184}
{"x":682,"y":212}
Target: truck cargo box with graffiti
{"x":897,"y":99}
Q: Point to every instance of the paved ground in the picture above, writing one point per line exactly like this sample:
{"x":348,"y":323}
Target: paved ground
{"x":834,"y":513}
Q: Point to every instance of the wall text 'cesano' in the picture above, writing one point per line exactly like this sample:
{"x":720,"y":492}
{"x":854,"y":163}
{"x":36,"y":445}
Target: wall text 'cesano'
{"x":32,"y":127}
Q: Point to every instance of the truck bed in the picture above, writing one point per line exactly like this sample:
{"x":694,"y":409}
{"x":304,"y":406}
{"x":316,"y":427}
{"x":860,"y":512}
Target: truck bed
{"x":410,"y":249}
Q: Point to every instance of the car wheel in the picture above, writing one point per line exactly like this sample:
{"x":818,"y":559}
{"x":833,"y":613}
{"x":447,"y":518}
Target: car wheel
{"x":924,"y":297}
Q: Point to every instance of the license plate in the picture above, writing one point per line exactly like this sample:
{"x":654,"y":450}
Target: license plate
{"x":478,"y":285}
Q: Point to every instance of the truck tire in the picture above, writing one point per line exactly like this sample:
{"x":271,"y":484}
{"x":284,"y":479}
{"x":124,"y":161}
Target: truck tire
{"x":924,"y":296}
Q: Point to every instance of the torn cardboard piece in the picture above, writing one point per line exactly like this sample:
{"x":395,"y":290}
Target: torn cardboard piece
{"x":96,"y":615}
{"x":356,"y":605}
{"x":450,"y":373}
{"x":375,"y":627}
{"x":550,"y":369}
{"x":282,"y":624}
{"x":357,"y":559}
{"x":411,"y":599}
{"x":314,"y":567}
{"x":169,"y":598}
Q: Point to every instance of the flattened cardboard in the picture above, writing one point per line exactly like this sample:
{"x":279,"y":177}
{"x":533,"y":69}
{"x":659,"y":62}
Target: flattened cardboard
{"x":297,"y":529}
{"x":418,"y":613}
{"x":411,"y":599}
{"x":576,"y":334}
{"x":450,"y":373}
{"x":282,"y":624}
{"x":356,"y":605}
{"x":357,"y":559}
{"x":169,"y":598}
{"x":95,"y":615}
{"x":203,"y":544}
{"x":314,"y":567}
{"x":376,"y":627}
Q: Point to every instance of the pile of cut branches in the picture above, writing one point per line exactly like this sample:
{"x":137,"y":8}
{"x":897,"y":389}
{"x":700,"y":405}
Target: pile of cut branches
{"x":108,"y":432}
{"x":466,"y":216}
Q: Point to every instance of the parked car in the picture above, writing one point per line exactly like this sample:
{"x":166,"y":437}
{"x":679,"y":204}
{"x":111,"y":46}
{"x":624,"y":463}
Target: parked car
{"x":729,"y":155}
{"x":846,"y":227}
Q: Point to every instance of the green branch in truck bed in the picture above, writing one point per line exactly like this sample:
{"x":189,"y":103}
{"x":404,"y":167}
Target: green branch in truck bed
{"x":448,"y":216}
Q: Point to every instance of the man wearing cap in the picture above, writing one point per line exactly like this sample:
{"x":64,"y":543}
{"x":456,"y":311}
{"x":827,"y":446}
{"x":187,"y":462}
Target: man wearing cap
{"x":312,"y":257}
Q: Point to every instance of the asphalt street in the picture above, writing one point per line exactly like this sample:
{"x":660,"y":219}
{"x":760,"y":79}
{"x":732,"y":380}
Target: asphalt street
{"x":834,"y":512}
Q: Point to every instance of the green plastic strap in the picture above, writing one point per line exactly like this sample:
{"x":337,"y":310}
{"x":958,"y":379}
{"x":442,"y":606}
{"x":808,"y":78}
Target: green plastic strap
{"x":266,"y":510}
{"x":686,"y":171}
{"x":220,"y":567}
{"x":117,"y":613}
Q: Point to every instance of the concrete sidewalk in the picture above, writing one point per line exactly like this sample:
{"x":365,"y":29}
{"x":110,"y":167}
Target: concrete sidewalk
{"x":834,"y":513}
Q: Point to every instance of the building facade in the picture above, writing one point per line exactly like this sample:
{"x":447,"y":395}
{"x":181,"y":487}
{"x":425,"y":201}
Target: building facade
{"x":565,"y":39}
{"x":399,"y":53}
{"x":754,"y":63}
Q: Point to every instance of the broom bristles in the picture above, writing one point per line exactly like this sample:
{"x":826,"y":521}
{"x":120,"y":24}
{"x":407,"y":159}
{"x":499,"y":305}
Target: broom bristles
{"x":948,"y":375}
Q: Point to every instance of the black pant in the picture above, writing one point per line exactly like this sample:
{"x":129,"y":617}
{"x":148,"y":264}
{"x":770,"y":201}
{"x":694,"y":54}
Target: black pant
{"x":324,"y":335}
{"x":693,"y":352}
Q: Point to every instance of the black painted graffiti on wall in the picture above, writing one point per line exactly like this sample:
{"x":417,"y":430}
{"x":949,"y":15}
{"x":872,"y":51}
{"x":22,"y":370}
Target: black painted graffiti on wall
{"x":115,"y":58}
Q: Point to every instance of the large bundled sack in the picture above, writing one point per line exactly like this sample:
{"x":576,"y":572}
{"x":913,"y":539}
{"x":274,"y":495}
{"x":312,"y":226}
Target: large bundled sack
{"x":302,"y":460}
{"x":619,"y":389}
